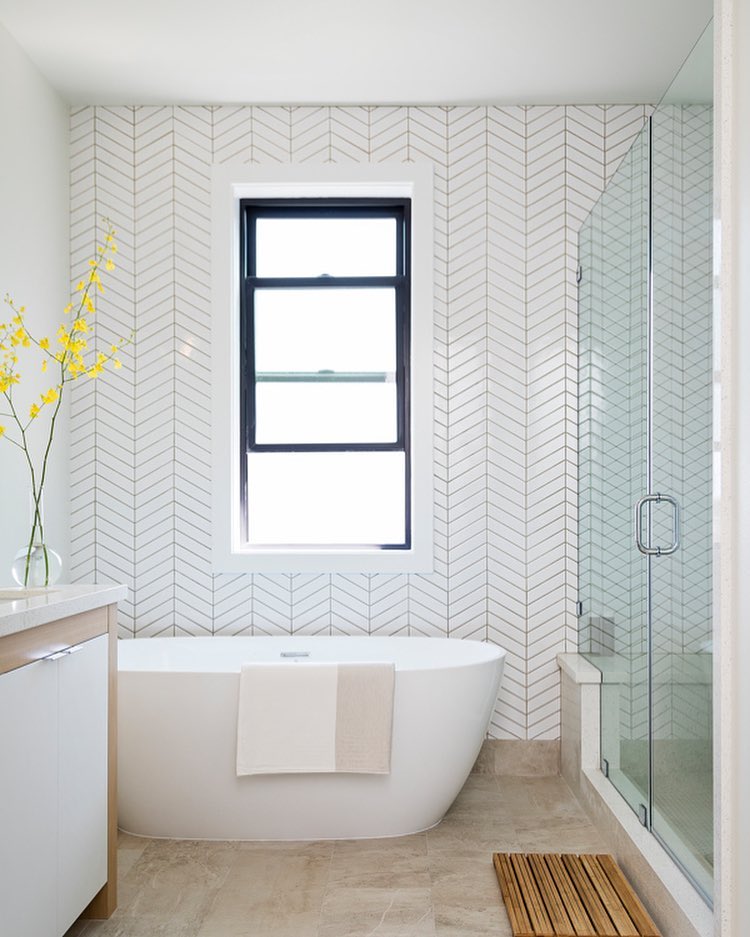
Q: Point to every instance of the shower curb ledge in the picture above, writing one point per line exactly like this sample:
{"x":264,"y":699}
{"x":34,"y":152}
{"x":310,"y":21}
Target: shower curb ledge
{"x":675,"y":905}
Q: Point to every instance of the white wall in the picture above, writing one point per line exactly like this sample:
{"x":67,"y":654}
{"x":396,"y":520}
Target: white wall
{"x":34,"y":264}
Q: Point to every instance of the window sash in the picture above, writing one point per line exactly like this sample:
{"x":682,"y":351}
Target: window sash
{"x":363,"y":208}
{"x":400,"y":284}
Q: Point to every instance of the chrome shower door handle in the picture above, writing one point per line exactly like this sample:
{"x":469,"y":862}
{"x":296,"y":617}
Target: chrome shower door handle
{"x":657,"y":551}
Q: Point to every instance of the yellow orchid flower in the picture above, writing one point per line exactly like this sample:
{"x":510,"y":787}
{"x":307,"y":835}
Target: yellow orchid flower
{"x":71,"y":358}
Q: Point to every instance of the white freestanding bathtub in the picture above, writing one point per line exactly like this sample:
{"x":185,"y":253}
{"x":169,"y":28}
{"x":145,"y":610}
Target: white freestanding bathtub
{"x":178,"y":726}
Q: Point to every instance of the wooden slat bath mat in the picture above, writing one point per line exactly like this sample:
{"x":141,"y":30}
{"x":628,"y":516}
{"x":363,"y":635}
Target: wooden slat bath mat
{"x":564,"y":895}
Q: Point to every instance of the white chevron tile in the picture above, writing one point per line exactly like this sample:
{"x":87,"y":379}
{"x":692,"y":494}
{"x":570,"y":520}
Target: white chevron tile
{"x":428,"y":605}
{"x":350,"y":134}
{"x":311,"y":604}
{"x":232,"y":137}
{"x":389,"y":605}
{"x":350,"y":604}
{"x":232,"y":598}
{"x":389,"y":136}
{"x":311,"y":134}
{"x":271,"y":604}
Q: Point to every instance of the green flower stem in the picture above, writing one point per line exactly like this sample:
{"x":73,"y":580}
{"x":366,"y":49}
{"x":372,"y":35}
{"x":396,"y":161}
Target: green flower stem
{"x":38,"y":496}
{"x":36,"y":491}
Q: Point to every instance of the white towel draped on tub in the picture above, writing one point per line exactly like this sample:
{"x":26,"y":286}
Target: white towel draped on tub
{"x":313,"y":717}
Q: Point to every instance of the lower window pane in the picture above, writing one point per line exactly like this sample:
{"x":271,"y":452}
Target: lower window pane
{"x":326,"y":498}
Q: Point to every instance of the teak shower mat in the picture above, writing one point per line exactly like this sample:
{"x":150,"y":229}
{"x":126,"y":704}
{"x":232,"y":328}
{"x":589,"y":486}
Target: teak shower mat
{"x":565,"y":895}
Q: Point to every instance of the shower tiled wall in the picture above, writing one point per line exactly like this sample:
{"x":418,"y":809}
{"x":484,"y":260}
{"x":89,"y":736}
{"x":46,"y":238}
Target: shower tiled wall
{"x":512,"y":187}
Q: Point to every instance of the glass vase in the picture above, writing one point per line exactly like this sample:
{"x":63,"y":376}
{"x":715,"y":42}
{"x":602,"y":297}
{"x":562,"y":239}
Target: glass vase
{"x":36,"y":566}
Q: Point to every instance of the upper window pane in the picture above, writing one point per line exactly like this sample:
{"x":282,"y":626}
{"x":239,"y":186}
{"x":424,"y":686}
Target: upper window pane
{"x":314,"y":247}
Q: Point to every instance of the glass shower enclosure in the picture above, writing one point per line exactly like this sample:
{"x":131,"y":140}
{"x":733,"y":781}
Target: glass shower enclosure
{"x":645,"y":469}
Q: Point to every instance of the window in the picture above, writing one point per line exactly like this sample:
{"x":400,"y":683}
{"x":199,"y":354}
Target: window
{"x":322,"y":369}
{"x":324,"y":372}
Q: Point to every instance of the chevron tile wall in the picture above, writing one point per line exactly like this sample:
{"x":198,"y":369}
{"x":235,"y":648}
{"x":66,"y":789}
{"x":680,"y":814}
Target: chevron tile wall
{"x":512,"y":186}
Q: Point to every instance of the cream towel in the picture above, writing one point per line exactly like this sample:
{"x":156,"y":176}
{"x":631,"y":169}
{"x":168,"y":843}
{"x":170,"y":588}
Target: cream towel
{"x":315,"y":717}
{"x":287,"y":718}
{"x":364,"y":718}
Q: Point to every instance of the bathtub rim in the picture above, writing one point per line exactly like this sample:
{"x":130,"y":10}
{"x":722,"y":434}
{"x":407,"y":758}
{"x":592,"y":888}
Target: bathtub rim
{"x":132,"y":656}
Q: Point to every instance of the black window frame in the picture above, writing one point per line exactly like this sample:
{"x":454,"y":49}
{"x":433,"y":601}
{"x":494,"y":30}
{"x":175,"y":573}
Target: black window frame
{"x":380,"y":207}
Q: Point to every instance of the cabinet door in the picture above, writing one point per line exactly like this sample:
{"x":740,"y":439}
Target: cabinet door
{"x":28,"y":801}
{"x":82,"y":713}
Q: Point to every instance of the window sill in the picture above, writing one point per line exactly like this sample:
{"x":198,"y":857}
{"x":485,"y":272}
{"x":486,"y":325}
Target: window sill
{"x":284,"y":560}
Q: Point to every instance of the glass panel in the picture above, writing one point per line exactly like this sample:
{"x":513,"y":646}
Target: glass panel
{"x":309,"y":412}
{"x":682,"y":168}
{"x":613,"y":331}
{"x":325,"y":366}
{"x":314,"y":247}
{"x":646,"y":428}
{"x":326,"y":498}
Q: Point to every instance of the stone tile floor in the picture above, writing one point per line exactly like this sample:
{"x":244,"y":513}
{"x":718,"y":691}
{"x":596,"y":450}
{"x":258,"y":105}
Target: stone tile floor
{"x":440,"y":883}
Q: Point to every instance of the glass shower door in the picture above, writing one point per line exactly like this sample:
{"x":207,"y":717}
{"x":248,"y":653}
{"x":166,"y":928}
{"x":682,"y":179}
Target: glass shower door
{"x":613,"y":439}
{"x":681,"y":415}
{"x":645,"y":446}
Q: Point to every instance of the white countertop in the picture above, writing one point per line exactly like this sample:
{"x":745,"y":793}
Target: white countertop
{"x":29,"y":611}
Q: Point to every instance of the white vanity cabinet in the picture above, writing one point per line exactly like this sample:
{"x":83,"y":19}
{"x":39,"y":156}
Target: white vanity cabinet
{"x":82,"y":777}
{"x":57,"y":823}
{"x":28,"y":800}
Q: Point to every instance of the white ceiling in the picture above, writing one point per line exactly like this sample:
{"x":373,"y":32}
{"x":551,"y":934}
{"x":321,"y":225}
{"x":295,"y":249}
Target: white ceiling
{"x":356,"y":52}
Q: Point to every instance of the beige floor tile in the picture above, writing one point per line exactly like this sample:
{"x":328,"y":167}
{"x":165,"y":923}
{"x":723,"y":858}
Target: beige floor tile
{"x":463,"y":921}
{"x":539,"y":797}
{"x":475,"y":837}
{"x":466,"y":898}
{"x":176,"y":878}
{"x":255,"y":883}
{"x":457,"y":880}
{"x":318,"y":849}
{"x":564,"y":840}
{"x":226,"y":921}
{"x":479,"y":784}
{"x":481,"y":792}
{"x":129,"y":850}
{"x":144,"y":927}
{"x":412,"y":845}
{"x":381,"y":863}
{"x":387,"y":912}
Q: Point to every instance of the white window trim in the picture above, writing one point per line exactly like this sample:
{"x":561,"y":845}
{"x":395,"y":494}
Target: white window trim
{"x":232,"y":182}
